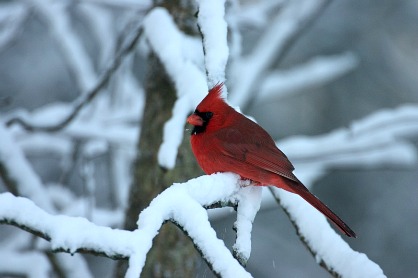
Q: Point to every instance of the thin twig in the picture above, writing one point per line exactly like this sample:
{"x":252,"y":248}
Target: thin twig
{"x":89,"y":96}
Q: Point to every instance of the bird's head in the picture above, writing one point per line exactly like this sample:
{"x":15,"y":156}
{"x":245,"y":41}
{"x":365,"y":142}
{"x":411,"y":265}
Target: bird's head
{"x":211,"y":111}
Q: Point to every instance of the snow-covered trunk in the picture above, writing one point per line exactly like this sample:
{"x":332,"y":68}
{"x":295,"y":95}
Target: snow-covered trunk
{"x":173,"y":253}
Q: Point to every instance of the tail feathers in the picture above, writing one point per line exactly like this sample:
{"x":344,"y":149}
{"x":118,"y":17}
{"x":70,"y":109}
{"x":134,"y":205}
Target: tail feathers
{"x":316,"y":203}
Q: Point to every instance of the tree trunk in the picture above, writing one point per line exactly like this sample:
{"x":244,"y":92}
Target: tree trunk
{"x":173,"y":254}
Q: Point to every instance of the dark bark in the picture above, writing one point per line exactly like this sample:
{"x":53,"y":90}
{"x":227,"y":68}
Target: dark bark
{"x":8,"y":181}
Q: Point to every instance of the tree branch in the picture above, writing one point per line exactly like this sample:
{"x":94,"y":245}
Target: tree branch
{"x":316,"y":72}
{"x":325,"y":245}
{"x":87,"y":97}
{"x":289,"y":24}
{"x":180,"y":203}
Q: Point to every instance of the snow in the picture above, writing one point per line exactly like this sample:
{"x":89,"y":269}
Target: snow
{"x":213,"y":26}
{"x":249,"y":200}
{"x":325,"y":243}
{"x":375,"y":141}
{"x":27,"y":181}
{"x":180,"y":199}
{"x":172,"y":48}
{"x":181,"y":203}
{"x":170,"y":44}
{"x":67,"y":233}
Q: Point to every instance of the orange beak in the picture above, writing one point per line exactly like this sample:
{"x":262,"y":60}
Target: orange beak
{"x":195,"y":120}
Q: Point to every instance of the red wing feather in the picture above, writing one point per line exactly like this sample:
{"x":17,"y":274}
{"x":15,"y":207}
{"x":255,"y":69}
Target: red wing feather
{"x":255,"y":150}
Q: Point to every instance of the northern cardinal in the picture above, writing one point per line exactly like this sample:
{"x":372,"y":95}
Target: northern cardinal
{"x":224,"y":140}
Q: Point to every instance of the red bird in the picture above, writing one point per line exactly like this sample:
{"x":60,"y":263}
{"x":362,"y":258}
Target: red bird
{"x":224,"y":140}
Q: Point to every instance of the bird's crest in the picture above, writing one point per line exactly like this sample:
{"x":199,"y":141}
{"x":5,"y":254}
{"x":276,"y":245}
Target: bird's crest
{"x":216,"y":91}
{"x":212,"y":98}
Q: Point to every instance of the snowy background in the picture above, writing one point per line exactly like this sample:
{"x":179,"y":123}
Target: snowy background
{"x":334,"y":82}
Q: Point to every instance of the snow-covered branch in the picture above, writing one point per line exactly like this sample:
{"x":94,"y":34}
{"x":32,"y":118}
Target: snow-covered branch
{"x":372,"y":142}
{"x":292,"y":19}
{"x":26,"y":121}
{"x":375,"y":141}
{"x":15,"y":169}
{"x":328,"y":248}
{"x":316,"y":72}
{"x":180,"y":203}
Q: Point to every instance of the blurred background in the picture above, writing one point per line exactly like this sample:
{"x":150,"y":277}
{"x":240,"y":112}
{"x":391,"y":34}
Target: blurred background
{"x":347,"y":61}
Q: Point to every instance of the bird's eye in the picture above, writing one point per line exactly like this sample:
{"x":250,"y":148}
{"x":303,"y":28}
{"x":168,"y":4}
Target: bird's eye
{"x":208,"y":115}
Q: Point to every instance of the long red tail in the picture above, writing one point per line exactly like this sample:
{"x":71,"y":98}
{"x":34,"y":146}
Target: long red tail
{"x":302,"y":191}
